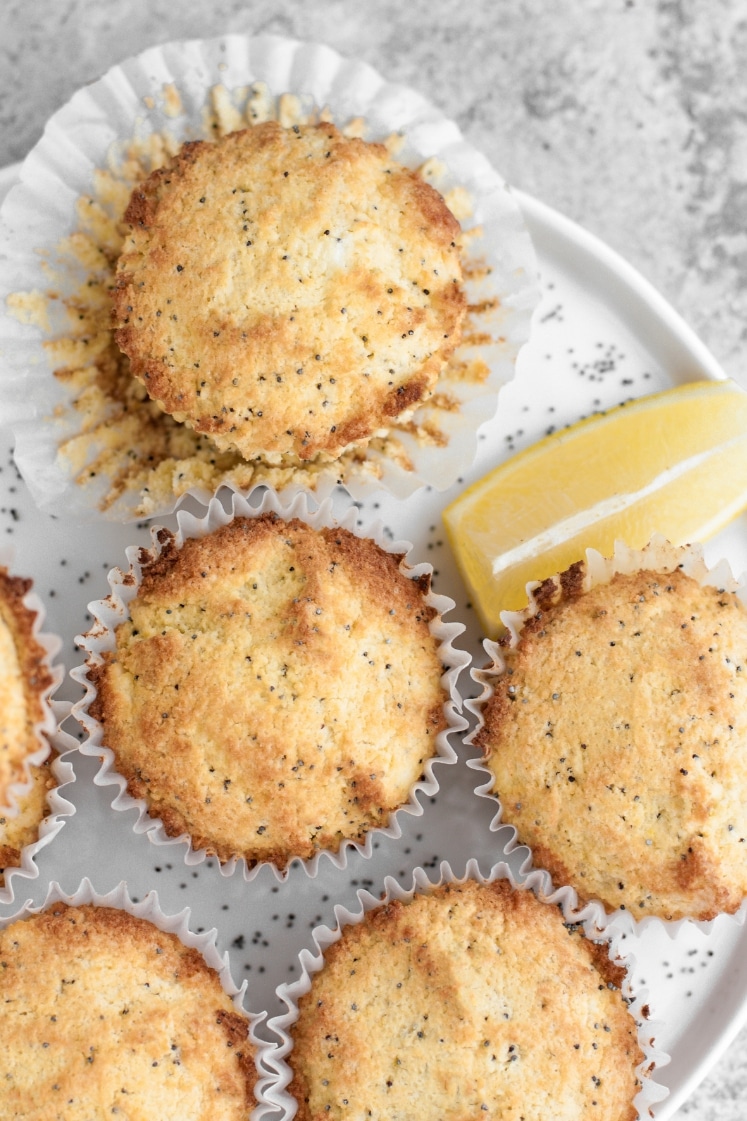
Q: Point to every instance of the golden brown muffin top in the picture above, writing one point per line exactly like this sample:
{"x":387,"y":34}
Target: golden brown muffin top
{"x":470,"y":1001}
{"x":289,"y":292}
{"x":24,"y":679}
{"x":276,"y":689}
{"x":617,"y":741}
{"x":102,"y":1012}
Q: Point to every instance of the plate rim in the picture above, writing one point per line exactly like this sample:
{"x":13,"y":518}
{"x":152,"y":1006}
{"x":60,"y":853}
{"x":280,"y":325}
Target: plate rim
{"x":542,"y":217}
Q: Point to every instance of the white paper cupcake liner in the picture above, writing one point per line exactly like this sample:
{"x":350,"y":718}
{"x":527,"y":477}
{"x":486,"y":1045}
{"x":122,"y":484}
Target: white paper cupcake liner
{"x":51,"y":737}
{"x":15,"y":877}
{"x":659,"y":555}
{"x":135,"y":100}
{"x":47,"y":726}
{"x":312,"y":960}
{"x":110,"y":612}
{"x":149,"y":909}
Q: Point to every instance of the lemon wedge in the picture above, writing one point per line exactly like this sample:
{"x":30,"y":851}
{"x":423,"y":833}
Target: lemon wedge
{"x":673,"y":463}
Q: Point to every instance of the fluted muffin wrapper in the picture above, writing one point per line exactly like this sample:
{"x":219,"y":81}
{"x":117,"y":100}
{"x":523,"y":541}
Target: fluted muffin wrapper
{"x":110,"y":612}
{"x":49,"y":737}
{"x":658,"y":555}
{"x":312,"y":960}
{"x":47,"y":726}
{"x":149,"y":908}
{"x":58,"y":808}
{"x":135,"y":100}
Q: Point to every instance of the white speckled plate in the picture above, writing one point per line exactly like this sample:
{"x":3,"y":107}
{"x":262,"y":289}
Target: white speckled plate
{"x":602,"y":334}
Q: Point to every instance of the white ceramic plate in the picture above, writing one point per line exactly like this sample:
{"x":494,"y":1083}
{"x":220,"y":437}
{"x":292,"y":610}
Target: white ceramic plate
{"x":602,"y":335}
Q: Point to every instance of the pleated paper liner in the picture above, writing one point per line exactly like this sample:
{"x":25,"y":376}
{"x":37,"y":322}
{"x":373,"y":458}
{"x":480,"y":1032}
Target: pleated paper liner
{"x":660,"y":556}
{"x":33,"y":810}
{"x":324,"y":938}
{"x":50,"y":645}
{"x":87,"y":460}
{"x":108,"y":613}
{"x":149,"y":910}
{"x":42,"y":823}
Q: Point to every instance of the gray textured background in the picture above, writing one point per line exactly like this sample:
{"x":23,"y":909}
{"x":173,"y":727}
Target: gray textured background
{"x":630,"y":116}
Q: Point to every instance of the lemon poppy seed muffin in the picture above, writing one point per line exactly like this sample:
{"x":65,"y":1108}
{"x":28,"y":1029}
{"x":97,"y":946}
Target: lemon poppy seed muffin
{"x":25,"y":678}
{"x":102,"y":1012}
{"x":276,"y":690}
{"x":616,"y":738}
{"x":21,"y":828}
{"x":471,"y":1000}
{"x":288,"y":291}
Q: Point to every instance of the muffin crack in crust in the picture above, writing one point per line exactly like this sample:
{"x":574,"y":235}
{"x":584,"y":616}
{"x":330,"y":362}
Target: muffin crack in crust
{"x":276,"y":690}
{"x":616,"y":739}
{"x":471,"y":1001}
{"x":102,"y":1013}
{"x":288,"y":291}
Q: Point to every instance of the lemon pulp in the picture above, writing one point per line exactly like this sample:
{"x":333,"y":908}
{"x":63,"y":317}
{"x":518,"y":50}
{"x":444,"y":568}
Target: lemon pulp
{"x":674,"y":463}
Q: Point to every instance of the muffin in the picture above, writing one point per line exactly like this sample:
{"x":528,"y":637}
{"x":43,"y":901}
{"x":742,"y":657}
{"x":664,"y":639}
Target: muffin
{"x":21,"y":829}
{"x":472,"y":999}
{"x":288,"y":291}
{"x":276,"y":689}
{"x":103,"y":1012}
{"x":392,"y":389}
{"x":615,"y":736}
{"x":25,"y":682}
